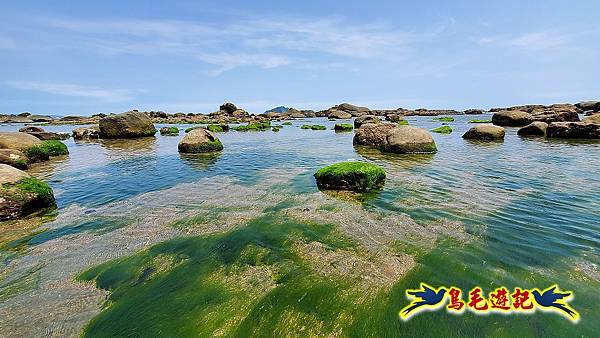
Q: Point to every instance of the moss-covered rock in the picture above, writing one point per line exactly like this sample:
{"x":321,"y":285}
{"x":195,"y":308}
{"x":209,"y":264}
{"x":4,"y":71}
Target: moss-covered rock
{"x":169,"y":131}
{"x":200,"y":141}
{"x":55,"y":148}
{"x":442,"y":130}
{"x":480,"y":121}
{"x":313,"y":127}
{"x":444,"y":119}
{"x":354,"y":176}
{"x":287,"y":123}
{"x":254,"y":126}
{"x":21,"y":194}
{"x":343,"y":127}
{"x":217,"y":128}
{"x":275,"y":128}
{"x":402,"y":122}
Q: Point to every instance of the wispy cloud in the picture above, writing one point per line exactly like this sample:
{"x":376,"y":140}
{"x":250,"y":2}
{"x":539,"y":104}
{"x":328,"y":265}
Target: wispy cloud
{"x":266,"y":42}
{"x":227,"y":61}
{"x":73,"y":90}
{"x":529,"y":41}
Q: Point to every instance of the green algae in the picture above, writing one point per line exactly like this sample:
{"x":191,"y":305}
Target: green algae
{"x":204,"y":147}
{"x":480,"y":121}
{"x":287,"y":123}
{"x":170,"y":131}
{"x":254,"y":126}
{"x":356,"y":176}
{"x":245,"y":282}
{"x":30,"y":280}
{"x":444,"y":119}
{"x":313,"y":127}
{"x":403,"y":123}
{"x":217,"y":128}
{"x":343,"y":127}
{"x":42,"y":152}
{"x":442,"y":130}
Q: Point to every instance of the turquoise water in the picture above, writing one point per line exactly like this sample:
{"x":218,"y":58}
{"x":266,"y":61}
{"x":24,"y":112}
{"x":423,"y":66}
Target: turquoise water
{"x":530,"y":205}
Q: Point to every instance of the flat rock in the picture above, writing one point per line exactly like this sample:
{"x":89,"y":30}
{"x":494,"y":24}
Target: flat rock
{"x":17,"y":140}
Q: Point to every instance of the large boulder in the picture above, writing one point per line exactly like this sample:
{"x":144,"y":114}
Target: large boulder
{"x":485,"y":132}
{"x":359,"y":121}
{"x":354,"y":176}
{"x":86,"y":133}
{"x":512,"y":118}
{"x":14,"y":158}
{"x":536,"y":128}
{"x":549,"y":115}
{"x":200,"y":141}
{"x":573,"y":130}
{"x":339,"y":114}
{"x":21,"y":194}
{"x":351,"y":109}
{"x":395,"y":139}
{"x":17,"y":140}
{"x":126,"y":125}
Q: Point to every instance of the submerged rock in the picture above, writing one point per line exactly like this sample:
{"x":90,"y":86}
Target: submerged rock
{"x":354,"y":176}
{"x":534,"y":129}
{"x":199,"y":141}
{"x":512,"y":118}
{"x":14,"y":158}
{"x":395,"y":139}
{"x":442,"y":130}
{"x":485,"y":132}
{"x":126,"y":125}
{"x":359,"y":121}
{"x":82,"y":133}
{"x":573,"y":130}
{"x":21,"y":194}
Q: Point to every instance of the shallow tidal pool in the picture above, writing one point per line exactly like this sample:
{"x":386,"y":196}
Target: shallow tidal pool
{"x":148,"y":242}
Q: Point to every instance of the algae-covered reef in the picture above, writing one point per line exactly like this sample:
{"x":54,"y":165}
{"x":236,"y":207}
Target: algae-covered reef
{"x":253,"y":280}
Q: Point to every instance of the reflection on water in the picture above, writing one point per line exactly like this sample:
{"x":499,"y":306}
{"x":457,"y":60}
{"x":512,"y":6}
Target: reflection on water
{"x":533,"y":201}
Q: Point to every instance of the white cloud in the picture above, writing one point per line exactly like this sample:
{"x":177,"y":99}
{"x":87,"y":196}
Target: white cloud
{"x":75,"y":90}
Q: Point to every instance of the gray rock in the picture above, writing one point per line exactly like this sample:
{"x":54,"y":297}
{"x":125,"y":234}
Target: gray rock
{"x":395,"y":139}
{"x":126,"y":125}
{"x":537,"y":128}
{"x":485,"y":132}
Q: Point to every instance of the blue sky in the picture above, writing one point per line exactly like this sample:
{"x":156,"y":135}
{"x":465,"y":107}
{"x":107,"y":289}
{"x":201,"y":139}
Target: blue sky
{"x":83,"y":57}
